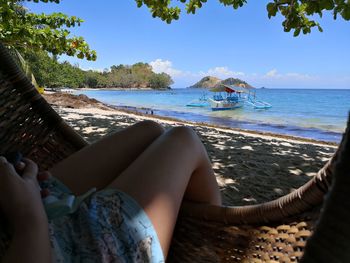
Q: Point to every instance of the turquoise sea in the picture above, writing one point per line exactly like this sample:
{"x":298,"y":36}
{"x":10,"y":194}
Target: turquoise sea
{"x":311,"y":113}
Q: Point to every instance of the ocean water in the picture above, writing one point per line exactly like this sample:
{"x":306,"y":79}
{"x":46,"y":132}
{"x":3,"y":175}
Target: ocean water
{"x":317,"y":114}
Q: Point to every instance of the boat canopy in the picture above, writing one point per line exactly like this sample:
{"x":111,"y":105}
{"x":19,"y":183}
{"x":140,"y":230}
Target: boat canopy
{"x":218,"y":89}
{"x":230,"y":89}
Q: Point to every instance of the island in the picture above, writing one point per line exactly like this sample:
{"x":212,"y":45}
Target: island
{"x":211,"y":82}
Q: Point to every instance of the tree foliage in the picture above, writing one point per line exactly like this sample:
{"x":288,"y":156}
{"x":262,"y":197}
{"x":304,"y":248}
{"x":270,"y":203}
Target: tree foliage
{"x":139,"y":75}
{"x":23,"y":30}
{"x":51,"y":73}
{"x":160,"y":81}
{"x":298,"y":14}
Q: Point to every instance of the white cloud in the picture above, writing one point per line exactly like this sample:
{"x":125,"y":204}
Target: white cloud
{"x":166,"y":66}
{"x":93,"y":69}
{"x":294,"y":79}
{"x":272,"y":78}
{"x":272,"y":73}
{"x":222,"y":72}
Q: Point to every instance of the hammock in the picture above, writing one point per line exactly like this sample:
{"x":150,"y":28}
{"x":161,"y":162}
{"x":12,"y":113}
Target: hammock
{"x":276,"y":231}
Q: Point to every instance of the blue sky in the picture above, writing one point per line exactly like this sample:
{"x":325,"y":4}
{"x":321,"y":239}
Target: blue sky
{"x":217,"y":41}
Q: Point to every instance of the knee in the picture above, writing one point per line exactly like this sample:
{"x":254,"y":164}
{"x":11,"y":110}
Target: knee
{"x":187,"y":136}
{"x":151,"y":127}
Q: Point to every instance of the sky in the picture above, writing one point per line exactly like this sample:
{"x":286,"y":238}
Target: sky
{"x":217,"y":41}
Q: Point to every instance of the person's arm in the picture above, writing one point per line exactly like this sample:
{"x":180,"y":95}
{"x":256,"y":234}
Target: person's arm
{"x":29,"y":244}
{"x":21,"y":203}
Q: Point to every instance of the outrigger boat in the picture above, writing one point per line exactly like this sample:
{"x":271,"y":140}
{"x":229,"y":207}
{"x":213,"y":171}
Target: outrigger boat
{"x":258,"y":104}
{"x":232,"y":100}
{"x":234,"y":97}
{"x":201,"y":102}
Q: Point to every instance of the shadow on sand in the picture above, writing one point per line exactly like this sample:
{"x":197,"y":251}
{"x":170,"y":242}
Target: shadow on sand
{"x":249,"y":169}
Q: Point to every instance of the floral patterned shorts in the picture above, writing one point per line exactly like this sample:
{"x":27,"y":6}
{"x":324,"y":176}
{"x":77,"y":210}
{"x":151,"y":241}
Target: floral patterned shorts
{"x":104,"y":226}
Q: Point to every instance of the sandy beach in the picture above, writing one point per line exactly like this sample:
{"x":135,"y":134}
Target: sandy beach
{"x":250,"y":167}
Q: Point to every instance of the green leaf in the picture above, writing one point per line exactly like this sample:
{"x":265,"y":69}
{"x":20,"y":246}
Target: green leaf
{"x":296,"y":32}
{"x":271,"y":9}
{"x":296,"y":13}
{"x":346,"y":12}
{"x":327,"y":4}
{"x":24,"y":30}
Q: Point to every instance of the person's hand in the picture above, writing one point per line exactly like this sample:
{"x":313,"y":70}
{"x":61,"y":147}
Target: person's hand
{"x":43,"y":176}
{"x":20,"y":198}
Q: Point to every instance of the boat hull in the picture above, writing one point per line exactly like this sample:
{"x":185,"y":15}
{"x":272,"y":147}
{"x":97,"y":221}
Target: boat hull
{"x":225,"y":105}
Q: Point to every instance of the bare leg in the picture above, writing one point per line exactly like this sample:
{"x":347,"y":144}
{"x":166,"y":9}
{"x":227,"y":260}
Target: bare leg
{"x":173,"y":167}
{"x":98,"y":164}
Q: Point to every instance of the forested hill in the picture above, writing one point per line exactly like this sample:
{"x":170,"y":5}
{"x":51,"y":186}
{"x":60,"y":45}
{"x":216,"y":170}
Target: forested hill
{"x":211,"y":82}
{"x":51,"y":73}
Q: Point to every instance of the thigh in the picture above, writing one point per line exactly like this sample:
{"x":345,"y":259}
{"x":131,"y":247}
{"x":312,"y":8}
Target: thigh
{"x":158,"y":178}
{"x":98,"y":164}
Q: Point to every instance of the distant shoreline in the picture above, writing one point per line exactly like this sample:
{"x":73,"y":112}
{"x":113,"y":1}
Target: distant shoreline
{"x":71,"y":90}
{"x":118,"y":89}
{"x":82,"y":101}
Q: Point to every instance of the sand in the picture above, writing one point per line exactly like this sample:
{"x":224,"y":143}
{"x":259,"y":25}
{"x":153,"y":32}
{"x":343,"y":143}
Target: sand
{"x":250,"y":167}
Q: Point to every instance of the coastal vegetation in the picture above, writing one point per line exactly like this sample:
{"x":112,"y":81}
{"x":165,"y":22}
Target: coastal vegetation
{"x":211,"y":82}
{"x":49,"y":72}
